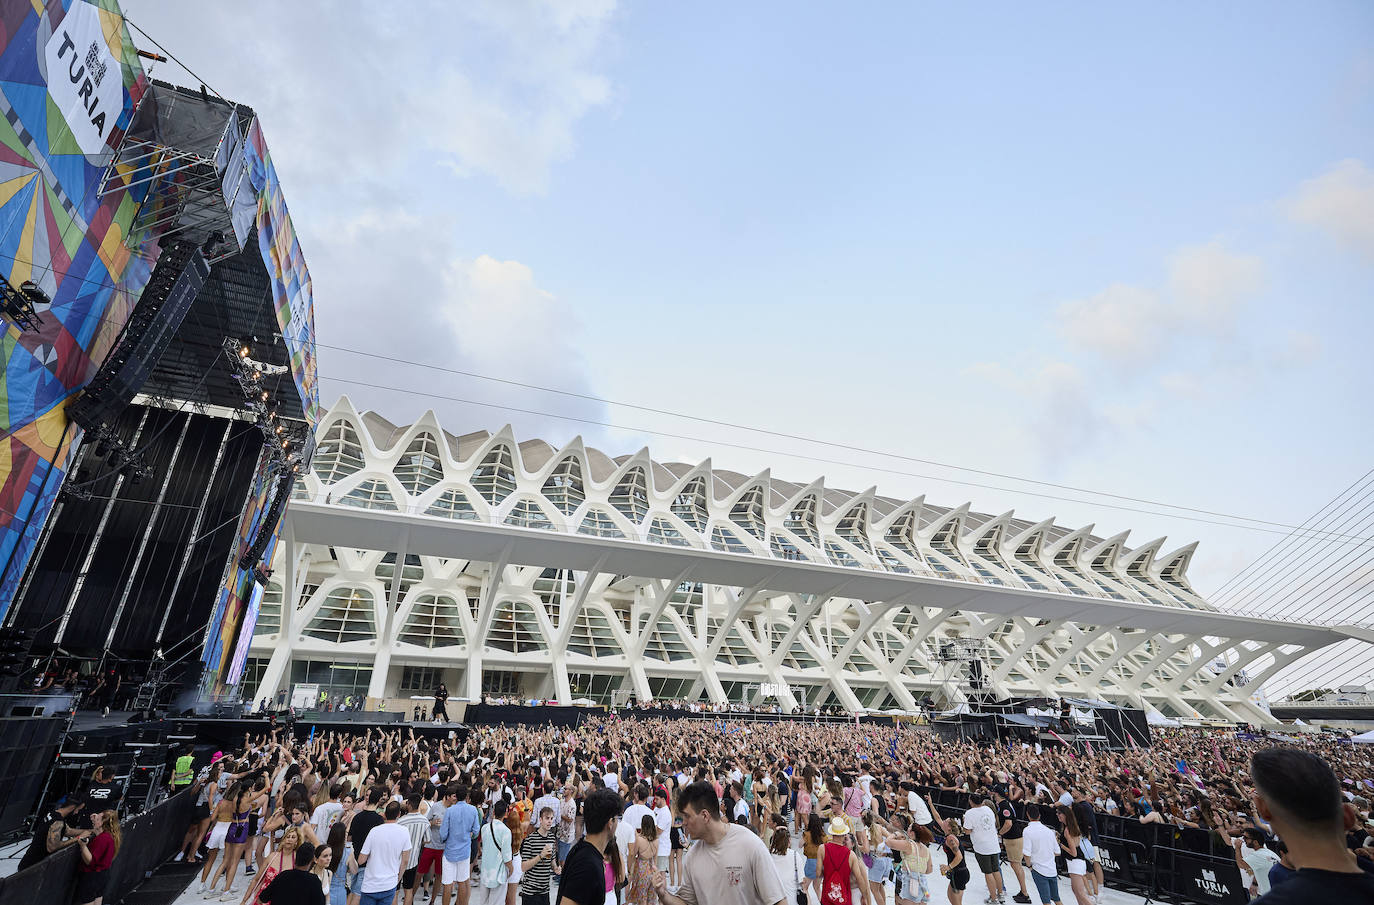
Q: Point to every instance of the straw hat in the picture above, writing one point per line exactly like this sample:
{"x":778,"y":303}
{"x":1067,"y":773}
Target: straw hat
{"x":838,"y":827}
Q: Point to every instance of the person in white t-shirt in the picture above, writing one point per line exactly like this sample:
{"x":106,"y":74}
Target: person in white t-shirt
{"x":1040,"y":846}
{"x":981,"y":823}
{"x":386,"y":853}
{"x":631,"y":820}
{"x":324,"y":816}
{"x":612,"y":778}
{"x":663,"y":819}
{"x":916,"y":804}
{"x":1255,"y":858}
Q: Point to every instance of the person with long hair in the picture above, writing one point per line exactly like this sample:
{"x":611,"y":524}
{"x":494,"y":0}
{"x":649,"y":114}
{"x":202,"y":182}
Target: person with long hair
{"x":223,"y":817}
{"x":284,"y":858}
{"x":238,"y":834}
{"x":788,"y":863}
{"x":642,"y":854}
{"x":955,"y":868}
{"x":98,"y":852}
{"x":909,"y":843}
{"x":1071,"y":845}
{"x":812,"y":840}
{"x":516,"y":821}
{"x":207,"y":796}
{"x":615,"y":870}
{"x":678,"y":845}
{"x":320,"y":867}
{"x":341,"y":863}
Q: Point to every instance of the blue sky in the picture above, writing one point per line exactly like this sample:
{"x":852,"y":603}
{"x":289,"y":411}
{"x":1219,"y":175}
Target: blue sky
{"x":1129,"y":249}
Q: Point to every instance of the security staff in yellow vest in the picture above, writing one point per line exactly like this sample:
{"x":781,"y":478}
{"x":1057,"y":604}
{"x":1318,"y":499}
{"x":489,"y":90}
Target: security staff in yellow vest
{"x":182,"y":773}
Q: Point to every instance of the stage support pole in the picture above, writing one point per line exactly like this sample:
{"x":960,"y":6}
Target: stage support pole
{"x":148,"y":533}
{"x":195,"y":529}
{"x":80,"y":582}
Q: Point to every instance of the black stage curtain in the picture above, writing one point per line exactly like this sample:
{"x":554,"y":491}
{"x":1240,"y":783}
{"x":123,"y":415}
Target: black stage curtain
{"x":130,"y":519}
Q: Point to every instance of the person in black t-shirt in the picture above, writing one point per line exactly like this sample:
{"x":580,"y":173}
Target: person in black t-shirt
{"x":584,"y":872}
{"x":1301,"y":798}
{"x":1010,"y":828}
{"x":102,"y":794}
{"x":363,"y":823}
{"x":53,"y":832}
{"x":297,"y":886}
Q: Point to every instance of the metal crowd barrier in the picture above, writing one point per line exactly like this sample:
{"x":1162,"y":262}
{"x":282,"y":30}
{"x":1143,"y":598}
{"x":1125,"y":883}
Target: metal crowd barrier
{"x":149,"y":839}
{"x":1182,"y":864}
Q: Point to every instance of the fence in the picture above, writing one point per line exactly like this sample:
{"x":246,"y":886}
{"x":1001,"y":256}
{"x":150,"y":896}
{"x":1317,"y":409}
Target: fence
{"x":150,"y":838}
{"x":1154,"y":859}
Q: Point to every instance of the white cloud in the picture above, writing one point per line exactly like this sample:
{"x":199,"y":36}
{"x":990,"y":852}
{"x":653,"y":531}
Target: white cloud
{"x":1122,"y":323}
{"x":502,"y":318}
{"x":487,"y":88}
{"x":1208,"y":284}
{"x":1341,"y":203}
{"x":516,"y":120}
{"x":1130,"y":327}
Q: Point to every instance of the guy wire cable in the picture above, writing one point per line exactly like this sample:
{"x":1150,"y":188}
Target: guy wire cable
{"x":1297,"y":548}
{"x":1266,"y":559}
{"x":1320,"y":565}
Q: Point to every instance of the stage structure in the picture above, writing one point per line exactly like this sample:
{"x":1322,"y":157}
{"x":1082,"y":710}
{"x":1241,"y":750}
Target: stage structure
{"x":512,"y":567}
{"x":165,"y":404}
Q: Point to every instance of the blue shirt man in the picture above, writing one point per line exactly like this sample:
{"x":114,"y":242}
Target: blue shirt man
{"x":458,"y":829}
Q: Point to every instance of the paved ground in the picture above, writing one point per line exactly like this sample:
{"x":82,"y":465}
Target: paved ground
{"x":976,"y":893}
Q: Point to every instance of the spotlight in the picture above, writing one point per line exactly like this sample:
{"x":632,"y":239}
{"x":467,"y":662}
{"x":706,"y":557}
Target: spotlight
{"x":264,"y":395}
{"x":243,"y":352}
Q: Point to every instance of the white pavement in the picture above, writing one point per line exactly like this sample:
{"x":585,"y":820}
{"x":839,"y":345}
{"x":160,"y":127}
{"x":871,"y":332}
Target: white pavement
{"x":975,"y":894}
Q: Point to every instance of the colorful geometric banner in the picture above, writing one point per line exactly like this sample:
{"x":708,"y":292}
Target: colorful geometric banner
{"x":69,"y":81}
{"x":291,"y":289}
{"x":228,"y":622}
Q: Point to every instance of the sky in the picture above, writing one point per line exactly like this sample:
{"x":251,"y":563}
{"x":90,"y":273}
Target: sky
{"x":1123,"y":249}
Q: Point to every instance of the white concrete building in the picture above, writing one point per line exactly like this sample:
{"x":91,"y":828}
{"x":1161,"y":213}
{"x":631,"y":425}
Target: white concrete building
{"x":508,"y":566}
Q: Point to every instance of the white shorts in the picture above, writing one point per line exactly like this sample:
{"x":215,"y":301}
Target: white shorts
{"x":1077,"y":867}
{"x":456,"y":871}
{"x":517,"y":869}
{"x":217,"y":836}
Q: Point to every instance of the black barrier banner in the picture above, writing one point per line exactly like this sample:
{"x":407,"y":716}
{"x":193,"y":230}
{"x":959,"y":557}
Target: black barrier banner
{"x":1206,"y":881}
{"x":1126,"y":863}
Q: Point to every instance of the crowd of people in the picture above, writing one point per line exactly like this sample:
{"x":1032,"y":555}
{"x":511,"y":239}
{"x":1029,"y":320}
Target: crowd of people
{"x":689,"y":812}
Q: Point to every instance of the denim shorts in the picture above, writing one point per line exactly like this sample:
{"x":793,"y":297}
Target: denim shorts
{"x":809,"y":871}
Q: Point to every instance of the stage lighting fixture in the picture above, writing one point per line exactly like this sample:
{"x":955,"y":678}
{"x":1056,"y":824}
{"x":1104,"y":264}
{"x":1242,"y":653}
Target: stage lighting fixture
{"x":33,"y":293}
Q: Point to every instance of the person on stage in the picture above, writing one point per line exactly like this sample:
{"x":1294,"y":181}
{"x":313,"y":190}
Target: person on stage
{"x":440,"y":696}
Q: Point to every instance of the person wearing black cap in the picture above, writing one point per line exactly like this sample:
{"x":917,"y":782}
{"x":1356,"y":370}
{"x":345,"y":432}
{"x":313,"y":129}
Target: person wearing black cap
{"x":53,"y":832}
{"x":1299,"y":795}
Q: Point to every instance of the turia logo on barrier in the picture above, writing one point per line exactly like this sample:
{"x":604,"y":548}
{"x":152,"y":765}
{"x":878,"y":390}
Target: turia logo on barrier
{"x":1209,"y":884}
{"x":84,"y":79}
